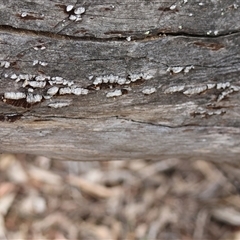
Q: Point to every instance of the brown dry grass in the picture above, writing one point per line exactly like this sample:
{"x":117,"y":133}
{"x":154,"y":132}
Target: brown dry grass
{"x":42,"y":199}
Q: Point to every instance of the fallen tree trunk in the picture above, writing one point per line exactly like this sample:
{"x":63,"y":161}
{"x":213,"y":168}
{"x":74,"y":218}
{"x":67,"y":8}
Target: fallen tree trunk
{"x":120,"y":80}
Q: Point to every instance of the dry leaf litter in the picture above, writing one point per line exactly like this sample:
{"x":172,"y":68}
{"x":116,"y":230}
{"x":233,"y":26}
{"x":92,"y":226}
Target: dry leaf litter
{"x":41,"y":198}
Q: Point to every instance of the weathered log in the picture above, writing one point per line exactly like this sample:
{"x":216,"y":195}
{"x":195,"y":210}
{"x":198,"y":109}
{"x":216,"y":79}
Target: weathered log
{"x":121,"y":80}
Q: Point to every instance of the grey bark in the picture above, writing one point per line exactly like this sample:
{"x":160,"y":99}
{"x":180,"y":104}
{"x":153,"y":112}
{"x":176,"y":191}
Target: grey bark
{"x":184,"y":53}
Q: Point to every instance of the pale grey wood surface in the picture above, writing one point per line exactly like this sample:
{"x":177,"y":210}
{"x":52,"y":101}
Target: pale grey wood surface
{"x":167,"y":39}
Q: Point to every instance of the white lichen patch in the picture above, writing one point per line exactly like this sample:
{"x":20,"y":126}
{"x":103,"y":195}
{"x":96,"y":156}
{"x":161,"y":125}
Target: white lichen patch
{"x":66,"y":82}
{"x":25,"y":83}
{"x":65,"y":90}
{"x":97,"y":81}
{"x":135,"y":76}
{"x":227,"y":87}
{"x":129,"y":38}
{"x":132,"y":77}
{"x":57,"y":80}
{"x":147,"y":75}
{"x":188,"y":68}
{"x":69,"y":83}
{"x":30,"y":90}
{"x":60,"y":81}
{"x":79,"y":10}
{"x":37,"y":84}
{"x":47,"y":97}
{"x":14,"y":76}
{"x":235,"y":6}
{"x":115,"y":93}
{"x":69,"y":8}
{"x":174,"y":89}
{"x":211,"y":85}
{"x":235,"y":88}
{"x":79,"y":91}
{"x":36,"y":87}
{"x":178,"y":69}
{"x":224,"y":94}
{"x":35,"y":62}
{"x":205,"y":113}
{"x":121,"y":80}
{"x":53,"y":90}
{"x":216,"y":112}
{"x":195,"y":90}
{"x":5,"y":64}
{"x":148,"y":91}
{"x":109,"y":79}
{"x":39,"y":48}
{"x":14,"y":95}
{"x":24,"y":14}
{"x":112,"y":78}
{"x":78,"y":18}
{"x":24,"y":77}
{"x":84,"y":91}
{"x":44,"y":64}
{"x":33,"y":98}
{"x":105,"y":79}
{"x":75,"y":14}
{"x":72,"y":17}
{"x":58,"y":104}
{"x":223,"y":85}
{"x":172,"y":7}
{"x":41,"y":78}
{"x":175,"y":69}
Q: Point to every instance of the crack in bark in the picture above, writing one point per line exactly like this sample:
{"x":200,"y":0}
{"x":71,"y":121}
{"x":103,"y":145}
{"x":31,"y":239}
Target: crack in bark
{"x":154,"y":34}
{"x":149,"y":123}
{"x":36,"y":118}
{"x":52,"y":117}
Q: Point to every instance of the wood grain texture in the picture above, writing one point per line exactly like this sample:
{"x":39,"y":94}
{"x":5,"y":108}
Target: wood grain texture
{"x":107,"y":19}
{"x":188,"y":52}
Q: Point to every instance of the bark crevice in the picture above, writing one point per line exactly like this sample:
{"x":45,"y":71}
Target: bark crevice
{"x":154,"y":34}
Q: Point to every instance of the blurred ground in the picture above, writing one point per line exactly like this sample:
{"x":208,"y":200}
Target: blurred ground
{"x":42,"y":199}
